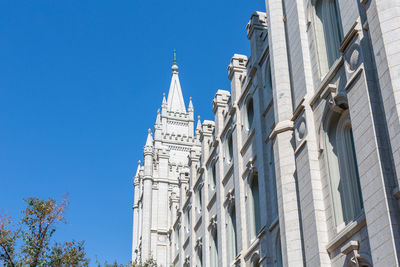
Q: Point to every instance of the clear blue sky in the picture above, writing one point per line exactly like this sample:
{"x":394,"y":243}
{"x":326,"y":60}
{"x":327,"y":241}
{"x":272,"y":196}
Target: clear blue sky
{"x":80,"y":84}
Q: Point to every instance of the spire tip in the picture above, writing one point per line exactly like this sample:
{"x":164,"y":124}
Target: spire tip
{"x":174,"y":66}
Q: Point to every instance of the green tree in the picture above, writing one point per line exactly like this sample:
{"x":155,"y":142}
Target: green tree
{"x":148,"y":263}
{"x":29,"y":243}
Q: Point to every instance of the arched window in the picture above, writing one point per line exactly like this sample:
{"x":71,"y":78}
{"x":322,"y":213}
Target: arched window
{"x":267,"y":76}
{"x":200,"y":256}
{"x":214,"y":248}
{"x":253,"y":201}
{"x":199,"y":199}
{"x":177,"y":240}
{"x":342,"y":169}
{"x":328,"y":33}
{"x":231,"y":231}
{"x":213,"y":176}
{"x":249,"y":113}
{"x":229,"y":149}
{"x":187,"y":220}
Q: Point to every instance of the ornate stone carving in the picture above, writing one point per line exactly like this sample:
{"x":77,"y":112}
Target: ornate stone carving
{"x":353,"y":57}
{"x":301,"y":129}
{"x":213,"y":223}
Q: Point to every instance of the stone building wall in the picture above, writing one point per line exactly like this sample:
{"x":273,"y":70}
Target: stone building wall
{"x":300,"y":165}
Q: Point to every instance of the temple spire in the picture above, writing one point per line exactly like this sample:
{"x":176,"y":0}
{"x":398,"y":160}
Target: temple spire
{"x":198,"y":127}
{"x":158,"y":120}
{"x":190,"y":107}
{"x":175,"y":98}
{"x":149,"y":141}
{"x":138,"y":169}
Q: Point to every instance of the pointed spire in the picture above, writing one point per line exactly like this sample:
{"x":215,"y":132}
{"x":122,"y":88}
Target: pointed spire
{"x":138,"y":169}
{"x":149,"y":141}
{"x":190,"y":107}
{"x":163,"y":100}
{"x":158,"y":120}
{"x":198,"y":127}
{"x":175,"y":98}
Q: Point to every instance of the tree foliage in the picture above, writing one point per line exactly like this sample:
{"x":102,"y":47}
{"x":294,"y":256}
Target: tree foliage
{"x":148,"y":263}
{"x":29,"y":243}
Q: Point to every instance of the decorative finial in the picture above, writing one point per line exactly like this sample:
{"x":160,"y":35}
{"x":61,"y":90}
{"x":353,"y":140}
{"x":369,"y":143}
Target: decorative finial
{"x":198,"y":127}
{"x":174,"y":66}
{"x":149,"y":131}
{"x":190,"y":108}
{"x":139,"y":162}
{"x":174,"y":56}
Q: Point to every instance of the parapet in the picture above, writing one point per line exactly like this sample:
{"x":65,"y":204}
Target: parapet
{"x":258,"y":21}
{"x":238,"y":63}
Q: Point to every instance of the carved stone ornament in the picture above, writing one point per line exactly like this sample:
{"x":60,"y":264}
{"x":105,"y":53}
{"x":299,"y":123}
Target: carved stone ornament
{"x":251,"y":167}
{"x":351,"y":250}
{"x":230,"y":198}
{"x":199,"y":243}
{"x":213,"y":222}
{"x":301,"y":129}
{"x":187,"y":260}
{"x":353,"y":57}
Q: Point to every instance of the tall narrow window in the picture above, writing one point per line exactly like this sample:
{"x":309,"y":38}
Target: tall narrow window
{"x":231,"y":231}
{"x":177,"y":240}
{"x":268,"y":77}
{"x":253,"y":201}
{"x":214,"y":248}
{"x":328,"y":33}
{"x":199,"y":197}
{"x":187,"y":221}
{"x":250,"y":114}
{"x":272,"y":197}
{"x":212,"y":176}
{"x":343,"y":172}
{"x":199,"y":256}
{"x":229,"y":149}
{"x":200,"y":192}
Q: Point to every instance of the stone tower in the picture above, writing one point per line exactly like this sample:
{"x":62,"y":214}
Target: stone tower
{"x":165,"y":169}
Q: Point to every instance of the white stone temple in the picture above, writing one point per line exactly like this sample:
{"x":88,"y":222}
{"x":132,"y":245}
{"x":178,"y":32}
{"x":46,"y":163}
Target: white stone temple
{"x":300,"y":165}
{"x":158,"y":181}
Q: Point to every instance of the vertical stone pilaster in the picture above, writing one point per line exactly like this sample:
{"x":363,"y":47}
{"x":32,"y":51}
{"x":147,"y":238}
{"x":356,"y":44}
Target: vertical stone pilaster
{"x":135,"y":232}
{"x":384,"y":20}
{"x":383,"y":17}
{"x":289,"y":221}
{"x":147,"y":197}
